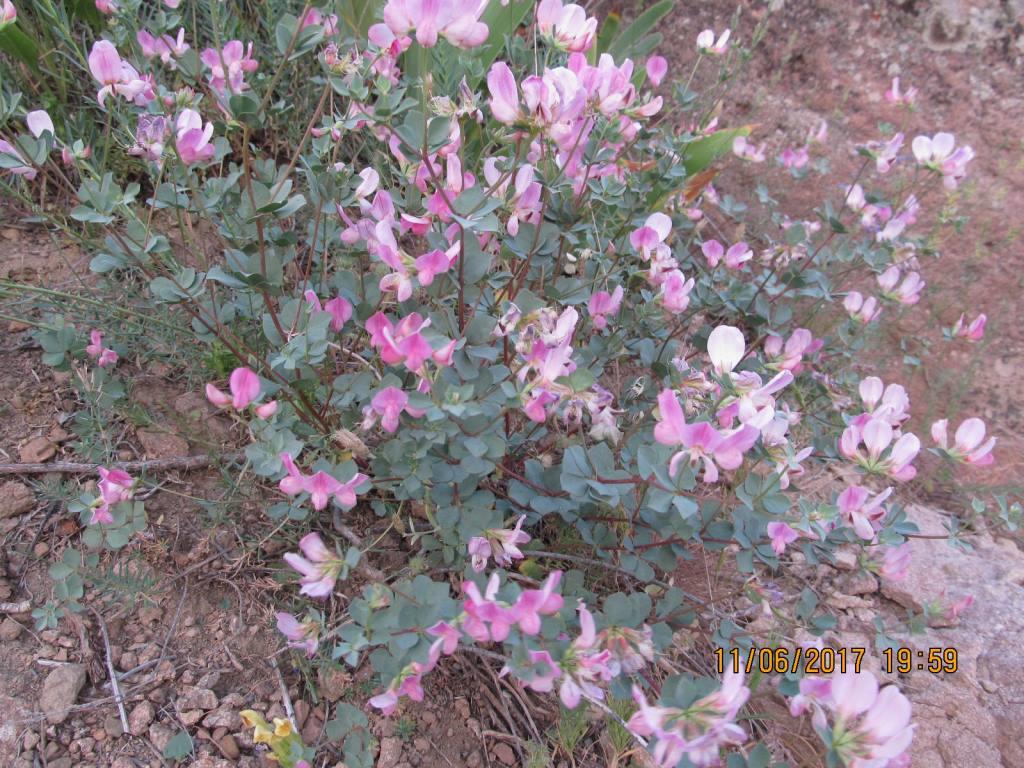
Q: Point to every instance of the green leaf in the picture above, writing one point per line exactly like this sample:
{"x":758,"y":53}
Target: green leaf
{"x":701,"y":153}
{"x":605,"y":36}
{"x":19,"y":45}
{"x":502,"y":21}
{"x":624,"y":44}
{"x":179,"y":747}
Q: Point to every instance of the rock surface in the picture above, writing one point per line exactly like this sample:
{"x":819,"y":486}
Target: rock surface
{"x":60,"y":691}
{"x":17,"y":499}
{"x":974,"y":716}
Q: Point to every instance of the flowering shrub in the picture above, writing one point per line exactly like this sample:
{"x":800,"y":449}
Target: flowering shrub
{"x":481,"y":289}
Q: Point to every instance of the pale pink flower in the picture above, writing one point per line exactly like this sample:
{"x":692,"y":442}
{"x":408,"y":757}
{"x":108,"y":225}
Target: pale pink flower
{"x":737,"y":255}
{"x":150,"y":137}
{"x":707,"y":44}
{"x":895,"y":562}
{"x":116,"y":76}
{"x":700,"y":442}
{"x":455,"y":20}
{"x":876,"y":435}
{"x":303,"y":635}
{"x":319,"y":566}
{"x":583,"y":666}
{"x":884,"y":153}
{"x":500,"y":543}
{"x":860,"y":309}
{"x":713,"y":252}
{"x":39,"y":122}
{"x":657,"y":68}
{"x":895,"y":96}
{"x":321,"y":487}
{"x":908,"y":292}
{"x":567,"y":27}
{"x":315,"y":17}
{"x":8,"y":13}
{"x":115,"y":486}
{"x":862,"y":511}
{"x":794,"y":157}
{"x":889,"y":403}
{"x":26,"y":170}
{"x":431,"y":264}
{"x":504,"y":101}
{"x":266,"y":410}
{"x":939,"y":153}
{"x":800,"y":343}
{"x":602,"y":305}
{"x":106,"y":7}
{"x":970,"y":445}
{"x":652,"y":235}
{"x":781,"y":536}
{"x":746,"y":150}
{"x":974,"y":331}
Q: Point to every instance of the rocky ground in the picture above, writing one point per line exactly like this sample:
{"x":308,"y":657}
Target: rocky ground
{"x":194,"y":647}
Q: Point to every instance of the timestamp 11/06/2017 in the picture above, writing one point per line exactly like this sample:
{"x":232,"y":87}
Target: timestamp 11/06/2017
{"x":826,"y":661}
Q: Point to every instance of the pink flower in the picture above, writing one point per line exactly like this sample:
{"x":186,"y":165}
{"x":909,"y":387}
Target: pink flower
{"x":104,"y":356}
{"x":888,"y":403}
{"x":150,"y":136}
{"x":431,"y":264}
{"x":339,"y":308}
{"x":894,"y":96}
{"x":403,"y":343}
{"x":794,"y":157}
{"x":229,"y":66}
{"x":315,"y":17}
{"x":115,"y":486}
{"x":534,"y":603}
{"x":860,"y":309}
{"x":193,"y":139}
{"x":455,"y":20}
{"x":583,"y":666}
{"x":701,"y":442}
{"x":746,"y":150}
{"x":876,"y":435}
{"x":568,"y":27}
{"x":8,"y":13}
{"x":321,"y":487}
{"x":863,"y":512}
{"x":266,"y":410}
{"x":602,"y":304}
{"x":657,"y":68}
{"x":303,"y":635}
{"x":318,"y":565}
{"x":389,"y":404}
{"x":707,"y":44}
{"x":244,"y":386}
{"x":504,"y":101}
{"x":675,"y":292}
{"x":26,"y":170}
{"x":800,"y":343}
{"x":652,"y":235}
{"x":713,"y":252}
{"x":487,"y":620}
{"x":781,"y":536}
{"x":970,"y":446}
{"x":975,"y":331}
{"x":106,"y":7}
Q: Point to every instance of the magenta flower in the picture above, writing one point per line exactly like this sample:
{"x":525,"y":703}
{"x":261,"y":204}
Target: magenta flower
{"x":657,"y":68}
{"x":974,"y":331}
{"x":403,"y":343}
{"x":339,"y":308}
{"x":448,"y":635}
{"x":876,"y":436}
{"x":863,"y":512}
{"x":321,"y":487}
{"x":303,"y":635}
{"x":455,"y":20}
{"x":244,"y":386}
{"x":707,"y":44}
{"x":566,"y":27}
{"x":104,"y":356}
{"x":603,"y":304}
{"x":430,"y":265}
{"x":487,"y":620}
{"x":701,"y":442}
{"x":229,"y":66}
{"x":388,"y":404}
{"x":970,"y":445}
{"x":318,"y":565}
{"x":781,"y":536}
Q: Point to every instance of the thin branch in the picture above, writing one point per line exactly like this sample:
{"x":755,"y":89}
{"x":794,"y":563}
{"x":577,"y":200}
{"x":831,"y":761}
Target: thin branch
{"x":118,"y":696}
{"x":153,"y":465}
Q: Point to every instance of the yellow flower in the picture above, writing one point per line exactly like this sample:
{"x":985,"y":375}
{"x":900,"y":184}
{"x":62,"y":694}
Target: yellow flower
{"x":262,"y":733}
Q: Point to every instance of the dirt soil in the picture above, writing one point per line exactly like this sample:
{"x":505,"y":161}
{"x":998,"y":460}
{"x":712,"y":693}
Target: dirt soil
{"x":193,"y":648}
